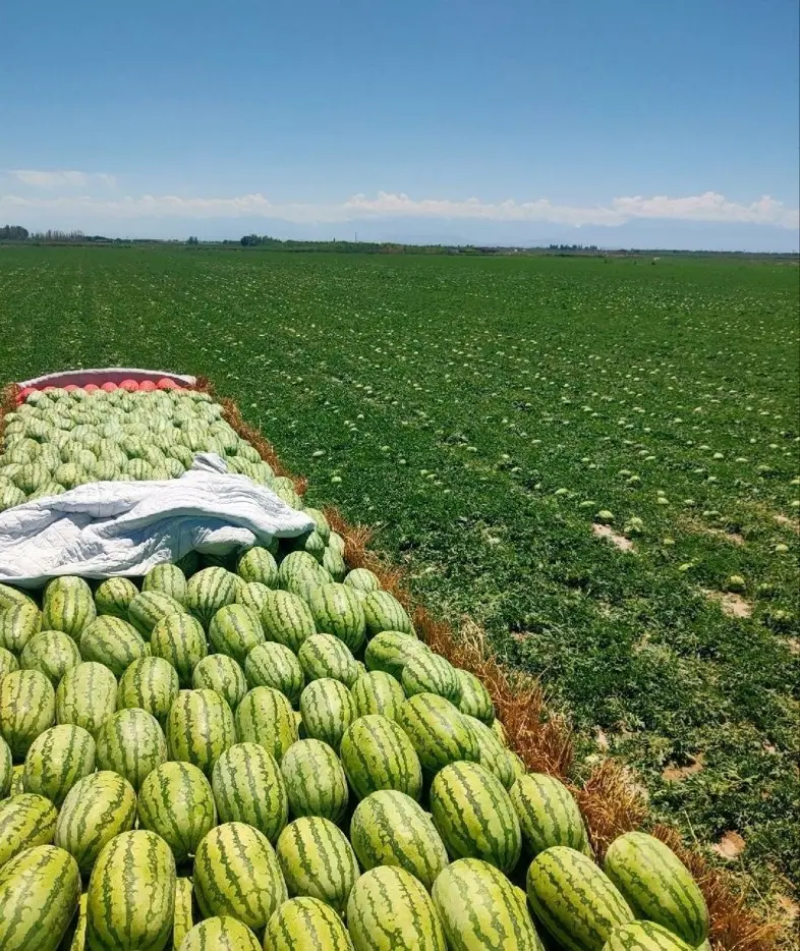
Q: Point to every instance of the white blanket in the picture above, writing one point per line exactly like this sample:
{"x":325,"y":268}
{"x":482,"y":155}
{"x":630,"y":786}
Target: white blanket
{"x":125,"y":528}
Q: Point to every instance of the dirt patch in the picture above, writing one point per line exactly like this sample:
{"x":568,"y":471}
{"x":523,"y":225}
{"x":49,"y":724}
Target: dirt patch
{"x":730,"y":846}
{"x":793,"y":643}
{"x":698,"y":528}
{"x":674,"y":773}
{"x":734,"y":605}
{"x":787,"y":522}
{"x":607,"y":532}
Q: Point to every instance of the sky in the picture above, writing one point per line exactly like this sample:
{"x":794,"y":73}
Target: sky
{"x":665,"y":123}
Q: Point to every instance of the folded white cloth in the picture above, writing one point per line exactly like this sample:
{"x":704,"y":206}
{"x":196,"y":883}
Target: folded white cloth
{"x":125,"y":528}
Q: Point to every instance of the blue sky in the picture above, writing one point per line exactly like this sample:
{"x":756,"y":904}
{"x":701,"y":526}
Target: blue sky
{"x":670,"y":123}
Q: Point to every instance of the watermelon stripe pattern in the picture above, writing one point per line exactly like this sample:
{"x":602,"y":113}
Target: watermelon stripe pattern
{"x":112,"y":642}
{"x":149,"y":684}
{"x":166,"y":579}
{"x":180,"y":640}
{"x":57,"y":759}
{"x":377,"y":692}
{"x":287,"y":619}
{"x":219,"y":934}
{"x":265,"y":716}
{"x":68,"y":606}
{"x":18,"y":624}
{"x":235,"y":630}
{"x":338,"y":611}
{"x":317,"y":861}
{"x":323,"y":655}
{"x":222,"y":675}
{"x":645,"y":936}
{"x":306,"y":924}
{"x":132,"y":744}
{"x":315,"y":781}
{"x":429,"y":673}
{"x":383,"y":612}
{"x":274,"y":665}
{"x":475,"y":698}
{"x":147,"y":609}
{"x":27,"y":708}
{"x":200,"y":727}
{"x":86,"y":696}
{"x":6,"y":768}
{"x":114,"y":595}
{"x":548,"y":814}
{"x":176,"y":802}
{"x":377,"y":754}
{"x":52,"y":653}
{"x":26,"y":820}
{"x":327,"y":710}
{"x":248,"y":787}
{"x":208,"y":591}
{"x":183,"y":918}
{"x":437,"y":730}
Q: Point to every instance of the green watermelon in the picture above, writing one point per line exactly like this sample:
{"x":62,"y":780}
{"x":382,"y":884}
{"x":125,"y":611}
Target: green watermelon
{"x":27,"y":708}
{"x":208,"y":591}
{"x":327,"y":709}
{"x":265,"y":716}
{"x":131,"y":895}
{"x":10,"y":596}
{"x":390,"y":828}
{"x":114,"y":595}
{"x":657,"y":885}
{"x":26,"y":820}
{"x":248,"y":787}
{"x":166,"y":579}
{"x":493,"y":755}
{"x":200,"y":727}
{"x":96,"y":809}
{"x":258,"y":565}
{"x":51,"y":652}
{"x":362,"y":579}
{"x":427,"y":672}
{"x":390,"y":651}
{"x":324,"y":655}
{"x":338,"y":611}
{"x":315,"y":781}
{"x":235,"y":630}
{"x":438,"y":732}
{"x":274,"y":665}
{"x":390,"y":910}
{"x":287,"y":620}
{"x":317,"y":861}
{"x":577,"y":904}
{"x":645,"y":936}
{"x":377,"y":754}
{"x":480,"y":908}
{"x":548,"y":814}
{"x":131,"y":743}
{"x":86,"y":696}
{"x":252,"y":595}
{"x":475,"y":700}
{"x":112,"y":642}
{"x":176,"y":802}
{"x":220,"y":934}
{"x":6,"y":768}
{"x":149,"y":607}
{"x":68,"y":606}
{"x":8,"y":662}
{"x":334,"y":563}
{"x":57,"y":759}
{"x":183,"y":918}
{"x":181,"y":641}
{"x":150,"y":684}
{"x":18,"y":624}
{"x":474,"y":815}
{"x":223,"y":675}
{"x":306,"y":924}
{"x":383,"y":612}
{"x":236,"y":873}
{"x":377,"y":692}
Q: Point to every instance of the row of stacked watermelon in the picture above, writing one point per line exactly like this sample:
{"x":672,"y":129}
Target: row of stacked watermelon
{"x":217,"y":730}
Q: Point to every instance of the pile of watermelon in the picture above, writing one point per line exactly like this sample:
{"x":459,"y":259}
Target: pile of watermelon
{"x":262,"y":754}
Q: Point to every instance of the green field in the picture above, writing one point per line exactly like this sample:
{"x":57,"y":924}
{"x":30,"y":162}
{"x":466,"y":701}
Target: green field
{"x":482,"y":413}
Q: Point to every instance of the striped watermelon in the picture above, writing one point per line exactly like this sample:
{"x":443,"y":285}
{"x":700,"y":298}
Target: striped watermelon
{"x":26,"y":820}
{"x":236,"y":872}
{"x":208,"y":591}
{"x":438,"y":732}
{"x":390,"y":828}
{"x":306,"y":924}
{"x":235,"y":630}
{"x":252,"y":595}
{"x":315,"y":781}
{"x":150,"y":684}
{"x":287,"y":620}
{"x":338,"y":611}
{"x":223,"y":675}
{"x":248,"y":787}
{"x":181,"y":641}
{"x":112,"y":642}
{"x":645,"y":936}
{"x":258,"y":565}
{"x":177,"y":803}
{"x":577,"y":904}
{"x":131,"y":743}
{"x":6,"y":768}
{"x":68,"y":606}
{"x":390,"y":651}
{"x":18,"y":624}
{"x":17,"y":786}
{"x":27,"y":708}
{"x":183,"y":919}
{"x":274,"y":665}
{"x":336,"y":542}
{"x":317,"y":861}
{"x":427,"y":672}
{"x":114,"y":595}
{"x":334,"y":564}
{"x":149,"y":607}
{"x":377,"y":692}
{"x":39,"y":894}
{"x":51,"y":652}
{"x":657,"y":885}
{"x":390,"y":910}
{"x":265,"y":716}
{"x":327,"y":709}
{"x":131,"y":895}
{"x":517,"y":765}
{"x":200,"y":727}
{"x":548,"y":814}
{"x":75,"y":938}
{"x":383,"y":612}
{"x":8,"y":662}
{"x":480,"y":909}
{"x":493,"y":755}
{"x":321,"y":523}
{"x":57,"y":759}
{"x":86,"y":696}
{"x":97,"y":808}
{"x":324,"y":655}
{"x":166,"y":579}
{"x":474,"y":815}
{"x":362,"y":579}
{"x":475,"y":699}
{"x":377,"y":754}
{"x":220,"y":934}
{"x":298,"y":565}
{"x":10,"y":596}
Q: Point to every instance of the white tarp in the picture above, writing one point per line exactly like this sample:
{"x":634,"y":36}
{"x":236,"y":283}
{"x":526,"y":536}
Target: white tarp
{"x":125,"y":528}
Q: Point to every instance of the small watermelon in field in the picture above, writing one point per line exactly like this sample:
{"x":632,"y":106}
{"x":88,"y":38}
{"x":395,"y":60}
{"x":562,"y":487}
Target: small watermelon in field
{"x":114,"y":595}
{"x":166,"y":579}
{"x":548,"y":814}
{"x":323,"y":655}
{"x":377,"y":692}
{"x":558,"y":881}
{"x":97,"y":808}
{"x":235,"y":630}
{"x":150,"y":684}
{"x":390,"y":910}
{"x":39,"y":894}
{"x":258,"y":564}
{"x":236,"y":872}
{"x":480,"y":908}
{"x":176,"y":802}
{"x":493,"y":755}
{"x":438,"y":732}
{"x":57,"y":759}
{"x":475,"y":699}
{"x":208,"y":591}
{"x":315,"y":781}
{"x":265,"y":716}
{"x":274,"y":665}
{"x":26,"y":820}
{"x":200,"y":727}
{"x":383,"y":612}
{"x":220,"y":934}
{"x":317,"y":860}
{"x":248,"y":787}
{"x":390,"y":651}
{"x":391,"y":828}
{"x":149,"y":607}
{"x":18,"y":624}
{"x":327,"y":709}
{"x":68,"y":606}
{"x":181,"y":641}
{"x":427,"y":672}
{"x":377,"y":754}
{"x":86,"y":696}
{"x":286,"y":619}
{"x":112,"y":642}
{"x":657,"y":885}
{"x":51,"y":652}
{"x":131,"y":894}
{"x":222,"y":675}
{"x":306,"y":924}
{"x":27,"y":708}
{"x":474,"y":815}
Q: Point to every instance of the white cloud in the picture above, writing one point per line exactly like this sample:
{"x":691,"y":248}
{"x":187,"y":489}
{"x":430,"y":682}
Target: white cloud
{"x":708,"y":207}
{"x":36,"y":178}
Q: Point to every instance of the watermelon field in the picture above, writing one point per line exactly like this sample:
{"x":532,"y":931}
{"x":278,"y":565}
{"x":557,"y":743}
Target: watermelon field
{"x":590,"y":466}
